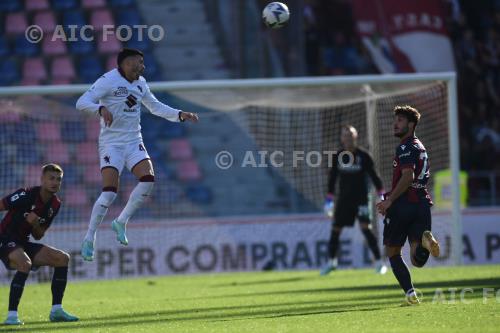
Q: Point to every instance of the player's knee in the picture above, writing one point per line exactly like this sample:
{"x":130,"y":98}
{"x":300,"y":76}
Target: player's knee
{"x":63,"y":259}
{"x":24,"y":266}
{"x":107,"y":196}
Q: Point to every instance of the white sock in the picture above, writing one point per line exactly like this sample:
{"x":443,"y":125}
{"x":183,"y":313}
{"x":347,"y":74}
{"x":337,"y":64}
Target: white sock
{"x":333,"y":262}
{"x":12,"y":314}
{"x":56,"y":307}
{"x":137,"y":197}
{"x":98,"y":213}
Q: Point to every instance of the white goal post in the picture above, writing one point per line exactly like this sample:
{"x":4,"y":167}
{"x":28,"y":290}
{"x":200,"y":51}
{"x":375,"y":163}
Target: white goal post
{"x":192,"y":88}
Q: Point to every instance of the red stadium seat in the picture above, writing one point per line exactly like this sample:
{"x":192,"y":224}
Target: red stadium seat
{"x":30,"y":82}
{"x":93,"y":129}
{"x":34,"y":68}
{"x":111,"y":62}
{"x":53,"y":47}
{"x":48,"y":131}
{"x":101,"y":17}
{"x":86,"y":153}
{"x":62,"y":68}
{"x":46,"y":21}
{"x":75,"y":196}
{"x":111,"y":45}
{"x":15,"y":23}
{"x":36,"y":5}
{"x":180,"y":149}
{"x":93,"y":3}
{"x":59,"y":81}
{"x":188,"y":171}
{"x":32,"y":175}
{"x":92,"y":174}
{"x":59,"y":152}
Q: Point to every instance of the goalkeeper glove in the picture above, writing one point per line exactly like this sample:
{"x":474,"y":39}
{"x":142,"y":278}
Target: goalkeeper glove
{"x":328,"y":206}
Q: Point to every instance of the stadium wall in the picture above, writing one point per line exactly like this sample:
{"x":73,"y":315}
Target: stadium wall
{"x":244,"y":244}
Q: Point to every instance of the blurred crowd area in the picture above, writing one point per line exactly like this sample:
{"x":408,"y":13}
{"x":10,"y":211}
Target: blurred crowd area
{"x":332,"y":47}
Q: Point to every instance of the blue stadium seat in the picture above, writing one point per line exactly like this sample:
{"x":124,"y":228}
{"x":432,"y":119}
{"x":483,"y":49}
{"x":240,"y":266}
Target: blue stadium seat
{"x":121,"y":3}
{"x":199,"y":194}
{"x":128,"y":17}
{"x":27,"y":131}
{"x":64,"y":4}
{"x":171,"y":130}
{"x":71,"y":175}
{"x":153,"y":71}
{"x":81,"y":47}
{"x":73,"y":131}
{"x":24,"y":48}
{"x":10,"y":6}
{"x":4,"y":47}
{"x":142,"y":44}
{"x":90,"y":69}
{"x":10,"y":72}
{"x":73,"y":17}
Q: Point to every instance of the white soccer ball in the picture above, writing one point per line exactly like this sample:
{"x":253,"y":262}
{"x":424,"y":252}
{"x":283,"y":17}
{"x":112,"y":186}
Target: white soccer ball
{"x":275,"y":15}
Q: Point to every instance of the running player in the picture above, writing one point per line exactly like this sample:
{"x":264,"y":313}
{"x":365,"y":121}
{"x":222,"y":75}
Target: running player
{"x":407,"y":208}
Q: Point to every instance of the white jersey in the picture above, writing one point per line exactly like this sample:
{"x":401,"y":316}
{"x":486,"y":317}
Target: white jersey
{"x":123,"y":99}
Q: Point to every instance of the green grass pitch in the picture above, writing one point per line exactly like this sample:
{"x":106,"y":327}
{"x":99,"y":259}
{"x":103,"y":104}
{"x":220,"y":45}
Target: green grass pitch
{"x":346,"y":301}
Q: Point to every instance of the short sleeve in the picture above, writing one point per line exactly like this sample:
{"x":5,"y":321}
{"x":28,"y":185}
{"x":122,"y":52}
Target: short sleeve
{"x":407,"y":156}
{"x":16,"y":199}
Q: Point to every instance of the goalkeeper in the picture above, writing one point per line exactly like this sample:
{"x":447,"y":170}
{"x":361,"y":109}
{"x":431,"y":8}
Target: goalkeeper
{"x":353,"y":167}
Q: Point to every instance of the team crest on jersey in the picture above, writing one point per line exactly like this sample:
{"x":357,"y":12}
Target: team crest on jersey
{"x":403,"y":147}
{"x":121,"y":92}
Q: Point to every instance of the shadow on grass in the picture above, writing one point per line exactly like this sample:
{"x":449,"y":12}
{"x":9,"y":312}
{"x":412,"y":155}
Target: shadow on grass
{"x":256,"y":283}
{"x":469,"y":283}
{"x":243,"y":312}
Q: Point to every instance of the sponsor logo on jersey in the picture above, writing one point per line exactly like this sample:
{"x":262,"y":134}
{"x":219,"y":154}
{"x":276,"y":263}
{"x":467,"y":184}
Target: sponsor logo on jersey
{"x":405,"y":154}
{"x":131,"y":101}
{"x":121,"y":92}
{"x":11,"y":244}
{"x":394,"y":163}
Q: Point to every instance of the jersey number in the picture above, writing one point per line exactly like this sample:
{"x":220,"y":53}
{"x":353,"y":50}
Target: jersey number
{"x":425,"y":166}
{"x":16,"y":196}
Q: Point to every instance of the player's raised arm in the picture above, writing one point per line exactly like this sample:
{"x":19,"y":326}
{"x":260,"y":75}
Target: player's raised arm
{"x":162,"y":110}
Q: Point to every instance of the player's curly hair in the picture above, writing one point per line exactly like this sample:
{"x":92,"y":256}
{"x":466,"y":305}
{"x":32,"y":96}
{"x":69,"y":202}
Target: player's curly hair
{"x":51,"y":167}
{"x":408,"y":112}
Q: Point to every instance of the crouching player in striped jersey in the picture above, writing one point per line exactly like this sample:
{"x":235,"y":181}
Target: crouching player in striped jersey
{"x":116,"y":98}
{"x":407,"y":208}
{"x":31,"y":212}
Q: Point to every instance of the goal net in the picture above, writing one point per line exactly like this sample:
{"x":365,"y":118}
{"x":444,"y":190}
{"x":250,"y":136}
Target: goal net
{"x":261,"y":148}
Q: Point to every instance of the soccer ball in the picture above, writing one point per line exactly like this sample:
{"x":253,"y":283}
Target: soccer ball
{"x":275,"y":15}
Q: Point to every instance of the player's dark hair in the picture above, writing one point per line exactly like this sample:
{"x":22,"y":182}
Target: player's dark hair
{"x":51,"y":167}
{"x":126,"y":52}
{"x":408,"y":112}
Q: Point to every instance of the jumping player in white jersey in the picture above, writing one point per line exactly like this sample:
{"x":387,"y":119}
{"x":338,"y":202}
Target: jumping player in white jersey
{"x":116,"y":98}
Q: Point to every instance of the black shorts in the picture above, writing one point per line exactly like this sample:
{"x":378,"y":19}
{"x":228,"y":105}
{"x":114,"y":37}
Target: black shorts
{"x":406,"y":220}
{"x":7,"y":246}
{"x":346,"y":212}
